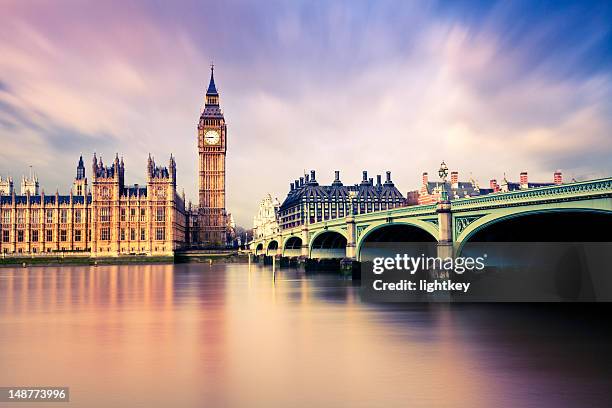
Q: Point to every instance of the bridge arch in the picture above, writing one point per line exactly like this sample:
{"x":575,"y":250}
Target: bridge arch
{"x":328,"y":244}
{"x":259,"y":249}
{"x":292,"y":246}
{"x":540,"y":225}
{"x":272,"y":248}
{"x":393,"y":232}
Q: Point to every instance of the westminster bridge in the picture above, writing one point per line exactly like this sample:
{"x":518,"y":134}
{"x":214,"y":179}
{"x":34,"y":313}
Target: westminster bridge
{"x":578,"y":211}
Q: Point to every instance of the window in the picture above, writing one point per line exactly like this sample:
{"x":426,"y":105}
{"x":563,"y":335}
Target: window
{"x":132,"y":214}
{"x":63,"y":216}
{"x":122,"y":212}
{"x":142,"y":234}
{"x":20,"y":216}
{"x":19,"y":235}
{"x":79,"y":190}
{"x":132,"y":234}
{"x":77,"y":216}
{"x":63,"y":235}
{"x":122,"y":236}
{"x":49,"y":216}
{"x":105,"y":234}
{"x":34,"y":235}
{"x":77,"y":235}
{"x":160,"y":234}
{"x":105,"y":214}
{"x":143,"y":214}
{"x":49,"y":235}
{"x":6,"y":216}
{"x":34,"y":217}
{"x":161,"y":214}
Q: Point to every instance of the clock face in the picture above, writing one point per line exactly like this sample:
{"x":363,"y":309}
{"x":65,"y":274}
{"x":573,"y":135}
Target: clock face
{"x":212,"y":137}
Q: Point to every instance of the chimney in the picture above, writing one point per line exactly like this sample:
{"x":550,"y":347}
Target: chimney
{"x":425,"y":178}
{"x":365,"y":176}
{"x":454,"y":179}
{"x":388,"y":177}
{"x":301,"y":181}
{"x":312,"y":176}
{"x":524,"y":180}
{"x":337,"y":175}
{"x":558,"y":177}
{"x":291,"y":186}
{"x":493,"y":185}
{"x":378,"y":179}
{"x":371,"y":181}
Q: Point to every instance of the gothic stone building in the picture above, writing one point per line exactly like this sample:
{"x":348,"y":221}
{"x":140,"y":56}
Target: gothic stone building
{"x":109,"y":220}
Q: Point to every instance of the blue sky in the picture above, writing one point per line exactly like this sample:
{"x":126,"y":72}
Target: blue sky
{"x":489,"y":87}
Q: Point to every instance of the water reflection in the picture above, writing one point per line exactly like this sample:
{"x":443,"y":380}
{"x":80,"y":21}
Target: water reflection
{"x":229,"y":335}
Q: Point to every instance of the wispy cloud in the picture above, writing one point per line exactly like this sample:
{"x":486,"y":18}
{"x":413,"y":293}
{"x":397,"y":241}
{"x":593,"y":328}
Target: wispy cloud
{"x":329,"y":85}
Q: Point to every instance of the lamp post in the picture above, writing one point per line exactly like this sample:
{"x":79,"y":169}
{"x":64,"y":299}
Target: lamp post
{"x":443,"y":173}
{"x":352,"y":195}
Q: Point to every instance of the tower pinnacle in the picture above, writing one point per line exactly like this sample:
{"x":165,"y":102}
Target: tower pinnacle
{"x":212,"y":89}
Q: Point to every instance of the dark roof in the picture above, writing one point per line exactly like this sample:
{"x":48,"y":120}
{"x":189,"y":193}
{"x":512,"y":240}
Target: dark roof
{"x":212,"y":112}
{"x":49,"y":200}
{"x":133,"y":191}
{"x":105,"y":172}
{"x":311,"y":191}
{"x":212,"y":89}
{"x":160,"y":172}
{"x":512,"y":185}
{"x":81,"y":199}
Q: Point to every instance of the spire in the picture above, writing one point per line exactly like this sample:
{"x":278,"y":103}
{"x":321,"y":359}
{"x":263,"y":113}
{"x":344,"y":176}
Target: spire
{"x":212,"y":89}
{"x":80,"y":173}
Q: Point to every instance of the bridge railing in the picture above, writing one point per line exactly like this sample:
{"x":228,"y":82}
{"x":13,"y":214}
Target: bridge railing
{"x":577,"y":189}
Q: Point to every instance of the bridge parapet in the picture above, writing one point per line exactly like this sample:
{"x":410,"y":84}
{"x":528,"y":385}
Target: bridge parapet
{"x":573,"y":191}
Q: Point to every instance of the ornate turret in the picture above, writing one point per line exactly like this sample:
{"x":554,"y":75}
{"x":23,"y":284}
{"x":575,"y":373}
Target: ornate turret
{"x":6,"y":186}
{"x":80,"y":171}
{"x":157,"y":172}
{"x":172,"y":169}
{"x":29,"y":184}
{"x":79,"y":186}
{"x":150,"y":165}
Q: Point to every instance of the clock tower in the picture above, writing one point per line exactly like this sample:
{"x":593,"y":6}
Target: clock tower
{"x":212,"y":138}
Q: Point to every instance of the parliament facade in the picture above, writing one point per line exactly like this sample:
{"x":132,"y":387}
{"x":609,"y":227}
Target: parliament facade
{"x":109,"y":218}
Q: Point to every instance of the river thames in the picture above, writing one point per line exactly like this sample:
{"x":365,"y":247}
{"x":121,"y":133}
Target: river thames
{"x":226,"y":335}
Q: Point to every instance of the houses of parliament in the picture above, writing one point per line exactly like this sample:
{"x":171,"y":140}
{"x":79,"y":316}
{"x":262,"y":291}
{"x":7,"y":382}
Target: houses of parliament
{"x":103,"y":216}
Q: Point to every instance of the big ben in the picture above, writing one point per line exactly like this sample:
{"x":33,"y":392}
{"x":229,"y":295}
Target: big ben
{"x":212,"y":146}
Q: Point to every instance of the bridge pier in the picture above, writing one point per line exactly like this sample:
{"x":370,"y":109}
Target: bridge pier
{"x":305,"y":242}
{"x":444,"y":248}
{"x":349,"y":264}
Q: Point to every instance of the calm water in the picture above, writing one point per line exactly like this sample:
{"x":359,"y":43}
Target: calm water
{"x":229,"y":336}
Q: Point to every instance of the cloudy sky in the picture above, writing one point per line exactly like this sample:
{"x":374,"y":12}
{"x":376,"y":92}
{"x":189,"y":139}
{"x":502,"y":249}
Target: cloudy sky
{"x":491,"y":88}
